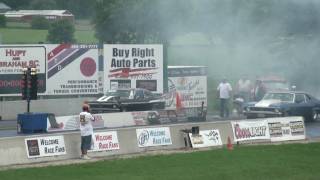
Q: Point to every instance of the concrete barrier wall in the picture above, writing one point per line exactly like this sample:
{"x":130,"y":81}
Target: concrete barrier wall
{"x":60,"y":107}
{"x":13,"y":150}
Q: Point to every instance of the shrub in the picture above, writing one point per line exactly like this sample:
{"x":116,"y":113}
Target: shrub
{"x":40,"y":23}
{"x":3,"y":21}
{"x":61,"y":31}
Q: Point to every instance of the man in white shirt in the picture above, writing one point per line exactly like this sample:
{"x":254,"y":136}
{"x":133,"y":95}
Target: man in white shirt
{"x":86,"y":130}
{"x":244,"y":88}
{"x":224,"y":90}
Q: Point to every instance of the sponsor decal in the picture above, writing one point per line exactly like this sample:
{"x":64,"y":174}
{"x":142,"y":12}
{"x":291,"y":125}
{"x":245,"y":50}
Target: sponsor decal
{"x":206,"y":138}
{"x":250,"y":130}
{"x":33,"y":147}
{"x":287,"y":128}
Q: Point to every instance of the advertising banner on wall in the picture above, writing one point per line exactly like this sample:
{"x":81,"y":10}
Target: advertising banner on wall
{"x":134,"y":66}
{"x":206,"y":138}
{"x":189,"y":83}
{"x":250,"y":130}
{"x":13,"y":59}
{"x":69,"y":123}
{"x":109,"y":120}
{"x":72,"y":69}
{"x":105,"y":141}
{"x":287,"y":128}
{"x":45,"y":146}
{"x":153,"y":137}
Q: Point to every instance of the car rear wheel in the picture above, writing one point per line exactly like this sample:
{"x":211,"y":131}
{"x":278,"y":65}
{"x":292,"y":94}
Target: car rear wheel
{"x":251,"y":116}
{"x":124,"y":109}
{"x":315,"y":115}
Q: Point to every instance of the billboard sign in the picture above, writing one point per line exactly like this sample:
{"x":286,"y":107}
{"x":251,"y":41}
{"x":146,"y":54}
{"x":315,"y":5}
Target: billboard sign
{"x":134,"y":66}
{"x":13,"y":59}
{"x":72,"y":69}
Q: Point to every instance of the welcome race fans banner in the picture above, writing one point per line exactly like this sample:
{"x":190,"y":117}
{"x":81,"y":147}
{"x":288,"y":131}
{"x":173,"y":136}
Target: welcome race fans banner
{"x":45,"y":146}
{"x":153,"y":137}
{"x":105,"y":141}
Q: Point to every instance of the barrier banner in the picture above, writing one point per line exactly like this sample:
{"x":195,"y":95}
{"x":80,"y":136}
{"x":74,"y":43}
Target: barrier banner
{"x":13,"y":58}
{"x":45,"y":146}
{"x":109,"y":120}
{"x":250,"y":130}
{"x":69,"y":123}
{"x":286,"y":129}
{"x":153,"y":136}
{"x":206,"y":138}
{"x":105,"y":141}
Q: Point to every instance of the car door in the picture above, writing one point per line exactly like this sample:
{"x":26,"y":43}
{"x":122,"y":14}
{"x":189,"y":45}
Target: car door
{"x":303,"y":105}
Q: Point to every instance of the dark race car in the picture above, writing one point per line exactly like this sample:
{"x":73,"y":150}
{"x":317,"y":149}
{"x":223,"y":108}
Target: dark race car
{"x":122,"y":100}
{"x":280,"y":104}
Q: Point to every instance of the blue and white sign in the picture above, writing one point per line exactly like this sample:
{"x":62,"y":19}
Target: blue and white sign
{"x":153,"y":137}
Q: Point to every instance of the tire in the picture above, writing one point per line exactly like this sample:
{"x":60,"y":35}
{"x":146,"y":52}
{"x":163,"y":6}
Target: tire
{"x":315,"y":115}
{"x":286,"y":114}
{"x":251,"y":116}
{"x":124,"y":109}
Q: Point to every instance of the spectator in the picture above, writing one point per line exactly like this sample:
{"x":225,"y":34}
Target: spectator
{"x":259,"y":90}
{"x":224,"y":94}
{"x":86,"y":130}
{"x":243,"y":88}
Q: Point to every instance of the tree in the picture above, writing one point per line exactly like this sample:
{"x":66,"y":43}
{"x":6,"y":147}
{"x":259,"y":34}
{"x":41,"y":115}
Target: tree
{"x":40,"y":22}
{"x":43,"y":4}
{"x":140,"y":21}
{"x":61,"y":31}
{"x":3,"y":21}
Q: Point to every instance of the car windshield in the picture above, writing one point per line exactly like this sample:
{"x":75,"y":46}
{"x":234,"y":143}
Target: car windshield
{"x":288,"y":97}
{"x":276,"y":85}
{"x":119,"y":92}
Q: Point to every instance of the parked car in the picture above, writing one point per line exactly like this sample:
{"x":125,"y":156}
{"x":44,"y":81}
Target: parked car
{"x":122,"y":100}
{"x":280,"y":104}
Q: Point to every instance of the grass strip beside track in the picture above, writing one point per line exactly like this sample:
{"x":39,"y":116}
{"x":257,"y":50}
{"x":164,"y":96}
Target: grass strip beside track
{"x":289,"y":161}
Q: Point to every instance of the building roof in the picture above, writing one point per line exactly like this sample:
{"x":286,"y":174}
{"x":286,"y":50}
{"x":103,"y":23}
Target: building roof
{"x":22,"y":13}
{"x":3,"y":6}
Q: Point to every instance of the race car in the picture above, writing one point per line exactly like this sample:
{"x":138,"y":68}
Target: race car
{"x":122,"y":100}
{"x":284,"y":103}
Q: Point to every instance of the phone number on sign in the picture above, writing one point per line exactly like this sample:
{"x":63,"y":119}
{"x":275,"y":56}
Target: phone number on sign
{"x":141,"y":76}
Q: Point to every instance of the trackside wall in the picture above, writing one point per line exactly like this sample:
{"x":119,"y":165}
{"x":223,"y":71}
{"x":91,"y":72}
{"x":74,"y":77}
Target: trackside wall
{"x":13,"y":149}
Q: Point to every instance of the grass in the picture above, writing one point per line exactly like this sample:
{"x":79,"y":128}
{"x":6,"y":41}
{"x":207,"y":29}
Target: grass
{"x":21,"y":33}
{"x":284,"y":162}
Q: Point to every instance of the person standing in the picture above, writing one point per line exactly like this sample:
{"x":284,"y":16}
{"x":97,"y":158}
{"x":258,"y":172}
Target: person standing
{"x":86,"y":130}
{"x":224,"y":94}
{"x":259,"y":90}
{"x":244,"y":88}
